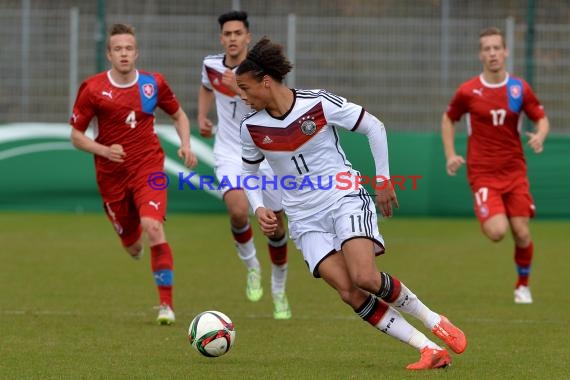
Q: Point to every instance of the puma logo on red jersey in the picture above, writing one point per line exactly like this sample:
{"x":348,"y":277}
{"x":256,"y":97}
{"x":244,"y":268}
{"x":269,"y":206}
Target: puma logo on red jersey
{"x":154,"y":204}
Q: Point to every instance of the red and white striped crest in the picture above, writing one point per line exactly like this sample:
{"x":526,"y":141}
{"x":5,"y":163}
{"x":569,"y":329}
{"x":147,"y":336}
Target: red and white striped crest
{"x":148,"y":90}
{"x":515,"y":91}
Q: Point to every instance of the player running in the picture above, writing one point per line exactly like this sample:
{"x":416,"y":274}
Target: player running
{"x":496,"y":167}
{"x":336,"y":230}
{"x":127,"y":152}
{"x":219,"y":85}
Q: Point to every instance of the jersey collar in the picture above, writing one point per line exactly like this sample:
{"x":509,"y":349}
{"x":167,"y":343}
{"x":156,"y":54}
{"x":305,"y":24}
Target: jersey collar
{"x":493,"y":85}
{"x":123,"y":85}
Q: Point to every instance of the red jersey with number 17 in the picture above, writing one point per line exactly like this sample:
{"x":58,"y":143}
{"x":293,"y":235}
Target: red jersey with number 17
{"x":125,"y":116}
{"x":494,"y":123}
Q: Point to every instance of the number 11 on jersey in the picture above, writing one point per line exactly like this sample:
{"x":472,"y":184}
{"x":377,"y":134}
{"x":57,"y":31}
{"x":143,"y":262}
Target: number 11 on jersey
{"x":302,"y":161}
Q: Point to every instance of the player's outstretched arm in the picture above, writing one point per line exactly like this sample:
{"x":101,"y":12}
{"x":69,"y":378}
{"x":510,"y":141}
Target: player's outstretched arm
{"x":182,"y":125}
{"x":206,"y":99}
{"x":453,"y":161}
{"x":114,"y":152}
{"x":536,"y":139}
{"x":386,"y":198}
{"x":375,"y":132}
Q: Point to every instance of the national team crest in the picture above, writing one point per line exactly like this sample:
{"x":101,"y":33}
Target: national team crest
{"x":483,"y":211}
{"x":148,"y":90}
{"x":308,"y":127}
{"x":516,"y":91}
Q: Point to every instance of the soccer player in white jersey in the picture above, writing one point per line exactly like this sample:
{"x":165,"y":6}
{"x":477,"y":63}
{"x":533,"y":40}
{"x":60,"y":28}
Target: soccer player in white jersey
{"x":219,"y":85}
{"x":335,"y":229}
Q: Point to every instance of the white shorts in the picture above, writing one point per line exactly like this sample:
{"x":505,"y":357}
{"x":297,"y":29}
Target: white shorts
{"x":321,"y":235}
{"x":229,"y":172}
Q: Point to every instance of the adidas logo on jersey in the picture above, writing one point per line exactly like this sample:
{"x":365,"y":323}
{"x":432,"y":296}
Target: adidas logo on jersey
{"x":267,"y":140}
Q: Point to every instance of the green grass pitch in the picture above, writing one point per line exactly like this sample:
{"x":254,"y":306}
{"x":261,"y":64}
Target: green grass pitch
{"x":75,"y":306}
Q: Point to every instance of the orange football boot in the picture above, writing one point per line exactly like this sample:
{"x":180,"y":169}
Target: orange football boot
{"x":431,"y":358}
{"x":451,"y":335}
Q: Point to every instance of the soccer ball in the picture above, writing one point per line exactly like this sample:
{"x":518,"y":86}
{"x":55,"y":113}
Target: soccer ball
{"x":212,"y":333}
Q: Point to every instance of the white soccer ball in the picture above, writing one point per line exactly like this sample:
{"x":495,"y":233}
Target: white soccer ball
{"x":212,"y":333}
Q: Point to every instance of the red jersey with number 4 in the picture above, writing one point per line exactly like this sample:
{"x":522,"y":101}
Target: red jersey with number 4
{"x":125,"y":116}
{"x":493,"y":111}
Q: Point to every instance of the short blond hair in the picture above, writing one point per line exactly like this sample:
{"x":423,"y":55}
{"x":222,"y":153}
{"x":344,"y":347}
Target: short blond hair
{"x":119,"y":29}
{"x":492,"y":31}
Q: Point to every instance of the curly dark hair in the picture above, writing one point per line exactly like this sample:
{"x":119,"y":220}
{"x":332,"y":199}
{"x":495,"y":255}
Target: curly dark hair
{"x":266,"y":58}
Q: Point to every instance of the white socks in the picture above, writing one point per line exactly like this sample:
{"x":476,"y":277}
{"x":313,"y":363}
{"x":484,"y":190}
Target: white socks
{"x":409,"y":303}
{"x":278,"y":278}
{"x":395,"y":325}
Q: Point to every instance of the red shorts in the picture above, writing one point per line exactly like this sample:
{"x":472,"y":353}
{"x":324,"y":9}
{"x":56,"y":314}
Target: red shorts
{"x":510,"y":196}
{"x":139,"y":200}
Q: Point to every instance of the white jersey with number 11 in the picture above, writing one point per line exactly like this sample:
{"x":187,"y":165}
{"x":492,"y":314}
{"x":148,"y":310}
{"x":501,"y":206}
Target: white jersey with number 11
{"x":303,"y":149}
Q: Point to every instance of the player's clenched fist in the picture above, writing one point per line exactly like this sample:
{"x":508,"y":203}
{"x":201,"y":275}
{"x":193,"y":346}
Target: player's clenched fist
{"x":116,"y":153}
{"x":453,"y":164}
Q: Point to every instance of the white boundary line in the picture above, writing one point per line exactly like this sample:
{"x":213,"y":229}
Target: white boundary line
{"x":269,"y":315}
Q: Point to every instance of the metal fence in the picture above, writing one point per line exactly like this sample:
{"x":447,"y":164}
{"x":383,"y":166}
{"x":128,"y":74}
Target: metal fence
{"x":403,"y":69}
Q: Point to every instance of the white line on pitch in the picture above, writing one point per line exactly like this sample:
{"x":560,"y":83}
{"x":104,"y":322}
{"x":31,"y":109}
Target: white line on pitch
{"x":269,"y":316}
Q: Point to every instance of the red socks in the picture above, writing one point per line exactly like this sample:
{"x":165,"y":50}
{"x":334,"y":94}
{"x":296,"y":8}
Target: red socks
{"x":390,"y":288}
{"x":278,"y":250}
{"x":372,"y":310}
{"x":523,"y":260}
{"x":162,"y":264}
{"x":244,"y":235}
